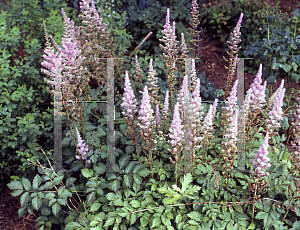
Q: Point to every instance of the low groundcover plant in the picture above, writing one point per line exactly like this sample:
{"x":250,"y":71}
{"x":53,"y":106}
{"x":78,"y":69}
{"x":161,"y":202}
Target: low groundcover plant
{"x":133,"y":200}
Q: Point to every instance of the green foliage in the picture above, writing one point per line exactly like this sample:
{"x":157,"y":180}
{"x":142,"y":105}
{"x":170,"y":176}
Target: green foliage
{"x":277,"y":54}
{"x":132,"y":196}
{"x":153,"y":18}
{"x":219,"y":21}
{"x":26,"y":124}
{"x":118,"y":31}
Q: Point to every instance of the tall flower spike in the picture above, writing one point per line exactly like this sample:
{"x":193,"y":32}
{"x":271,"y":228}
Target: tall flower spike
{"x":208,"y":121}
{"x":166,"y":106}
{"x":184,"y":50}
{"x":83,"y":148}
{"x":152,"y":84}
{"x":176,"y":128}
{"x":231,"y":134}
{"x":169,"y":37}
{"x":276,"y":113}
{"x":138,"y":69}
{"x":181,"y":95}
{"x":146,"y":114}
{"x":129,"y":101}
{"x":258,"y":91}
{"x":196,"y":115}
{"x":261,"y":159}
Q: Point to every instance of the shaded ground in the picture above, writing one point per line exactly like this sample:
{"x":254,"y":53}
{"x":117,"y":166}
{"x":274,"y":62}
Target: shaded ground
{"x":213,"y":64}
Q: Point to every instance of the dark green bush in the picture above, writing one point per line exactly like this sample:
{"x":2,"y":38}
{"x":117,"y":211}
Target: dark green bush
{"x":26,"y":113}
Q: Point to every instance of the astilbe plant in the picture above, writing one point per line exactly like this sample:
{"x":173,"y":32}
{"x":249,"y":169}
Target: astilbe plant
{"x":129,"y":107}
{"x":176,"y":136}
{"x":146,"y":121}
{"x":147,"y":124}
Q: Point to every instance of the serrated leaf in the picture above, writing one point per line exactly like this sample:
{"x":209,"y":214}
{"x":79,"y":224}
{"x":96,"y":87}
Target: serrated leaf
{"x":124,"y":161}
{"x":15,"y":185}
{"x":143,"y":172}
{"x":36,"y":203}
{"x":57,"y":180}
{"x":49,"y":195}
{"x":24,"y":198}
{"x":36,"y":181}
{"x":26,"y":183}
{"x":156,"y":222}
{"x":87,"y":173}
{"x":48,"y":185}
{"x":70,"y":181}
{"x":173,"y":200}
{"x":95,"y":207}
{"x":21,"y":211}
{"x":238,"y":208}
{"x":133,"y":219}
{"x":111,"y":196}
{"x":137,"y":168}
{"x":118,"y":202}
{"x":137,"y":179}
{"x":129,"y":167}
{"x":127,"y":180}
{"x":135,"y":204}
{"x":261,"y":215}
{"x":110,"y":221}
{"x":64,"y":193}
{"x":72,"y":226}
{"x":129,"y":149}
{"x":16,"y":192}
{"x":55,"y":209}
{"x":194,"y":215}
{"x":186,"y":181}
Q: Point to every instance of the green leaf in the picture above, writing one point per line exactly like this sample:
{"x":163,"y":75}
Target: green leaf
{"x":70,"y":181}
{"x":110,"y":221}
{"x":48,"y":185}
{"x":15,"y":185}
{"x":21,"y":211}
{"x":137,"y":179}
{"x":135,"y":204}
{"x":252,"y":225}
{"x":143,"y":172}
{"x":87,"y":173}
{"x":36,"y":181}
{"x":261,"y":215}
{"x":72,"y":226}
{"x":64,"y":193}
{"x":36,"y":203}
{"x":55,"y":209}
{"x":16,"y":192}
{"x":132,"y":219}
{"x":58,"y":179}
{"x":186,"y":181}
{"x":238,"y":208}
{"x":95,"y":207}
{"x":24,"y":199}
{"x":26,"y":183}
{"x":194,"y":216}
{"x":129,"y":149}
{"x":287,"y":67}
{"x":111,"y":196}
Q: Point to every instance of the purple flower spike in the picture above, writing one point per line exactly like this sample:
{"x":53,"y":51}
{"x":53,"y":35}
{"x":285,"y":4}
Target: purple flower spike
{"x":261,"y":159}
{"x":176,"y":133}
{"x":146,"y":113}
{"x":83,"y":148}
{"x":129,"y":101}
